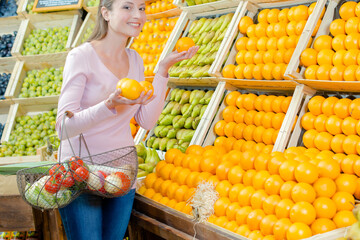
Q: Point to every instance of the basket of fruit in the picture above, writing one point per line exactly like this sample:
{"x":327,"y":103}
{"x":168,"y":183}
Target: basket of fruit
{"x":108,"y":174}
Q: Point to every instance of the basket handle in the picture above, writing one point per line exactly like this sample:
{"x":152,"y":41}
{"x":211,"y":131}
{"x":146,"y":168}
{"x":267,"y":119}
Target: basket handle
{"x":81,"y":138}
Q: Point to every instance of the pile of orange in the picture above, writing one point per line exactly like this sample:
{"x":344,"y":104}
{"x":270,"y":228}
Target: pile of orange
{"x":151,"y":41}
{"x":266,"y":47}
{"x":134,"y":127}
{"x":250,"y":121}
{"x":158,"y":6}
{"x":333,"y":124}
{"x":336,"y":57}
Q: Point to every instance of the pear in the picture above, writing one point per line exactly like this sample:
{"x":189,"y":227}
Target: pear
{"x":170,"y":144}
{"x":192,"y":95}
{"x":179,"y":94}
{"x":192,"y":60}
{"x":168,"y":107}
{"x":199,"y":23}
{"x":207,"y":95}
{"x":210,"y":58}
{"x":175,"y":119}
{"x":179,"y":123}
{"x":192,"y":26}
{"x":205,"y":59}
{"x":205,"y":1}
{"x":156,"y":143}
{"x":185,"y":108}
{"x":206,"y":24}
{"x":160,"y":117}
{"x":167,"y":120}
{"x":354,"y":232}
{"x":202,"y":72}
{"x":226,"y":22}
{"x":198,"y":96}
{"x":173,"y":94}
{"x":188,"y":122}
{"x":196,"y":122}
{"x":202,"y":47}
{"x":150,"y":142}
{"x":217,"y":34}
{"x":215,"y":47}
{"x":171,"y":133}
{"x":196,"y":110}
{"x":172,"y":70}
{"x":202,"y":111}
{"x":185,"y":97}
{"x":157,"y":130}
{"x":184,"y":62}
{"x":202,"y":36}
{"x":221,"y":37}
{"x":208,"y":37}
{"x":193,"y":70}
{"x":190,"y":2}
{"x":196,"y":37}
{"x":185,"y":74}
{"x":176,"y":109}
{"x":198,"y":2}
{"x":212,"y":23}
{"x":218,"y":23}
{"x":165,"y":131}
{"x":208,"y":47}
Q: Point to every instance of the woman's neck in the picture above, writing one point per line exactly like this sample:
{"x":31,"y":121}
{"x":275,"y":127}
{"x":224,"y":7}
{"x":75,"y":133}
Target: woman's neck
{"x":113,"y":46}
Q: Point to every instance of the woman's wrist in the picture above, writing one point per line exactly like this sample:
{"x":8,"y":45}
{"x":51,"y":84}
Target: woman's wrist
{"x":163,"y":71}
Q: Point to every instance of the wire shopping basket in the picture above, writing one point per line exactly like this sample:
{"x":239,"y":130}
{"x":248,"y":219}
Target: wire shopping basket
{"x":108,"y":174}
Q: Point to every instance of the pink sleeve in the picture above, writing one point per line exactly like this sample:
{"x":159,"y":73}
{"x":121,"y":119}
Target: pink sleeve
{"x":74,"y":81}
{"x":147,"y":115}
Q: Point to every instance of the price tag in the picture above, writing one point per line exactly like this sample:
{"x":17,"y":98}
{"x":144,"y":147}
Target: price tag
{"x":56,"y":5}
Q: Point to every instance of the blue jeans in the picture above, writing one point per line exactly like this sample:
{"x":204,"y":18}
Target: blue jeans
{"x":90,"y":217}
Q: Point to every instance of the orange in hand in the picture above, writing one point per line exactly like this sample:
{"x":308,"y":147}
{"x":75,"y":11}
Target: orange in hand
{"x":130,"y":88}
{"x":184,"y":43}
{"x":147,"y":87}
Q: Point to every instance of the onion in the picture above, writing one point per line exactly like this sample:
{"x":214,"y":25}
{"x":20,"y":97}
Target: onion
{"x":113,"y":184}
{"x":96,"y":180}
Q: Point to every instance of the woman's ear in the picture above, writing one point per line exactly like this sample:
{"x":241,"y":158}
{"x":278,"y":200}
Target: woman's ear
{"x":105,"y":13}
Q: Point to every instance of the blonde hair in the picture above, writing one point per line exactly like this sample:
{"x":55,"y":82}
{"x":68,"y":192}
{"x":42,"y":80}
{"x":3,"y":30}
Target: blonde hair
{"x":101,"y":27}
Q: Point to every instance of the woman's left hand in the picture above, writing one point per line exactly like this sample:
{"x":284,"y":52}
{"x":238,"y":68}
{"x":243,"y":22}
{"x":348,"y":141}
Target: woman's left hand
{"x":175,"y":57}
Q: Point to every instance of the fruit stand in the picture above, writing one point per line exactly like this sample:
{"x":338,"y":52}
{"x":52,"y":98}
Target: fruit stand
{"x":267,"y":111}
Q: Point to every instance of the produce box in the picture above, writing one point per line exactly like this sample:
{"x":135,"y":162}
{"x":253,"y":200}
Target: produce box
{"x":17,"y":16}
{"x":20,"y":90}
{"x":199,"y":6}
{"x":19,"y":110}
{"x":262,"y":50}
{"x":282,"y":120}
{"x":208,"y":29}
{"x":63,"y":23}
{"x":91,"y":9}
{"x":25,"y":10}
{"x":330,"y":62}
{"x":9,"y":26}
{"x":166,"y":14}
{"x":6,"y":68}
{"x":199,"y":118}
{"x":85,"y":31}
{"x":5,"y":111}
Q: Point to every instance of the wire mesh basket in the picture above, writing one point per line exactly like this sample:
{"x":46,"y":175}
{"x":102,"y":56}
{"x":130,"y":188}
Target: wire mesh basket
{"x":108,"y":174}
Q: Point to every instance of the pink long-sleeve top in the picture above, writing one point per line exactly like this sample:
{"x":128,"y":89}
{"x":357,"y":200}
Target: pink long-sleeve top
{"x":87,"y":83}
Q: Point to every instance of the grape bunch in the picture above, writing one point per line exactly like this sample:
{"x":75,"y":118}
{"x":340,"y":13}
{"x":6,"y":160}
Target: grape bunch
{"x":30,"y":6}
{"x":51,"y":40}
{"x":45,"y":82}
{"x":4,"y":80}
{"x":8,"y":8}
{"x":6,"y":44}
{"x":93,"y":3}
{"x":1,"y":129}
{"x":30,"y":133}
{"x":88,"y":32}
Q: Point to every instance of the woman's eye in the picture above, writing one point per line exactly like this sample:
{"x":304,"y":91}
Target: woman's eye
{"x":126,"y":7}
{"x":142,"y":9}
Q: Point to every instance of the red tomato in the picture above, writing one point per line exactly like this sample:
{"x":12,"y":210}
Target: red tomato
{"x":75,"y":163}
{"x":81,"y":174}
{"x":67,"y":180}
{"x":125,"y":182}
{"x":52,"y":185}
{"x":57,"y":171}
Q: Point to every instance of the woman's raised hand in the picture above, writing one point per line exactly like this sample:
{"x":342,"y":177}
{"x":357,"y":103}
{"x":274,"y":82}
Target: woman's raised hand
{"x":115,"y":99}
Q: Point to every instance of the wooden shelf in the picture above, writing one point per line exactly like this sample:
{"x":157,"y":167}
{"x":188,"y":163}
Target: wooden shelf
{"x":336,"y":86}
{"x":166,"y":14}
{"x":211,"y":6}
{"x":261,"y":84}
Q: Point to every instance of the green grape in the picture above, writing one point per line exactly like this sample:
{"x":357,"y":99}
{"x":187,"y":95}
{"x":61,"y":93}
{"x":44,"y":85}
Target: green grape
{"x":36,"y":42}
{"x":93,"y":3}
{"x":88,"y":32}
{"x":30,"y":133}
{"x":44,"y":82}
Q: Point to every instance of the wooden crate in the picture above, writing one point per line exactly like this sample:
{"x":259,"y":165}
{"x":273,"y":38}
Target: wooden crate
{"x":341,"y":86}
{"x":17,"y":80}
{"x":7,"y":67}
{"x":205,"y":7}
{"x":90,"y":19}
{"x":166,"y":14}
{"x":204,"y":122}
{"x":92,"y":10}
{"x":43,"y":16}
{"x":17,"y":110}
{"x":18,"y":16}
{"x":296,"y":103}
{"x":182,"y":28}
{"x":8,"y":26}
{"x":251,"y":9}
{"x":72,"y":21}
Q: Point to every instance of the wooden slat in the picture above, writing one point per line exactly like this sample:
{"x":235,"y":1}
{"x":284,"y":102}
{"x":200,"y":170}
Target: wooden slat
{"x":92,"y":10}
{"x":181,"y":221}
{"x":85,"y":25}
{"x":15,"y":214}
{"x":206,"y":81}
{"x":262,"y":84}
{"x":8,"y":186}
{"x":74,"y":28}
{"x":166,"y":14}
{"x":211,"y":6}
{"x":334,"y":86}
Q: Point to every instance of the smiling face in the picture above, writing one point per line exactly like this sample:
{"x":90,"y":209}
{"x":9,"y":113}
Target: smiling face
{"x":127,"y":17}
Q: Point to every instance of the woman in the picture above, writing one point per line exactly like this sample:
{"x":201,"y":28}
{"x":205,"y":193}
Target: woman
{"x":91,"y":73}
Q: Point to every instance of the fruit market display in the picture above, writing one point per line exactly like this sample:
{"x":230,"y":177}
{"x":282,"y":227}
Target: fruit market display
{"x":151,"y":41}
{"x":41,"y":41}
{"x":6,"y":44}
{"x":93,"y":3}
{"x":147,"y":159}
{"x":30,"y":133}
{"x":267,"y":46}
{"x":8,"y":8}
{"x":158,"y":6}
{"x":207,"y":33}
{"x":179,"y":119}
{"x":197,"y":2}
{"x":44,"y":82}
{"x":4,"y":80}
{"x":336,"y":56}
{"x":250,"y":121}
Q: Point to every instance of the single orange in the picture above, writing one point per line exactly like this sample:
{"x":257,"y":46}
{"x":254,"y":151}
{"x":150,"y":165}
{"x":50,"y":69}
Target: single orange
{"x":183,"y":44}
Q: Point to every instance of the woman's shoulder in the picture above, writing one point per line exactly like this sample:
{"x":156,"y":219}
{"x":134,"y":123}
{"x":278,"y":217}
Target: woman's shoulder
{"x":84,"y":50}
